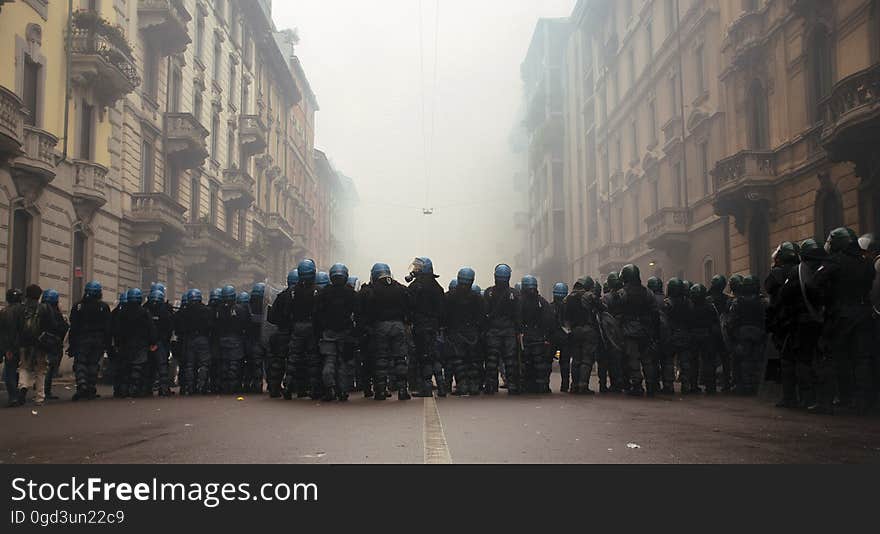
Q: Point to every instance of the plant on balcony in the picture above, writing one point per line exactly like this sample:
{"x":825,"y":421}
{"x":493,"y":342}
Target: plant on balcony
{"x":86,"y":19}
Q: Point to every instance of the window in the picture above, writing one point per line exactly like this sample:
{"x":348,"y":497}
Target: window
{"x":200,"y":36}
{"x":215,"y":135}
{"x":148,"y":164}
{"x":172,"y":180}
{"x":637,"y":216}
{"x":245,"y":96}
{"x":708,"y":270}
{"x":86,"y":131}
{"x":674,"y":94}
{"x":829,"y":211}
{"x":677,"y":185}
{"x":652,"y":118}
{"x":759,"y":135}
{"x":79,"y":266}
{"x":593,"y":207}
{"x":230,"y":148}
{"x":213,"y":202}
{"x":655,"y":195}
{"x":242,"y":226}
{"x":671,"y":16}
{"x":704,"y":168}
{"x":21,"y":249}
{"x":619,"y":146}
{"x":218,"y":56}
{"x":699,"y":64}
{"x":151,"y":72}
{"x":195,"y":199}
{"x":31,"y":88}
{"x":759,"y":245}
{"x":649,"y":39}
{"x":632,"y":68}
{"x":821,"y":75}
{"x":231,"y":80}
{"x":197,"y":104}
{"x":176,"y":82}
{"x":634,"y":140}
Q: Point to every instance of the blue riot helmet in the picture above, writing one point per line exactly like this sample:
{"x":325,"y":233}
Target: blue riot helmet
{"x":307,"y":271}
{"x":560,"y":290}
{"x":259,"y":290}
{"x":184,"y":299}
{"x":156,"y":296}
{"x":338,"y":274}
{"x":161,"y":287}
{"x":50,"y":296}
{"x":518,"y":287}
{"x":153,"y":286}
{"x":292,"y":278}
{"x":243,"y":298}
{"x":214,"y":297}
{"x":195,"y":296}
{"x":135,"y":296}
{"x":123,"y":297}
{"x":503,"y":272}
{"x":322,"y":280}
{"x":421,"y":266}
{"x":380,"y":271}
{"x":476,"y":290}
{"x":453,"y":284}
{"x":227,"y":294}
{"x":353,"y":282}
{"x":466,"y":277}
{"x":529,"y":282}
{"x":93,"y":290}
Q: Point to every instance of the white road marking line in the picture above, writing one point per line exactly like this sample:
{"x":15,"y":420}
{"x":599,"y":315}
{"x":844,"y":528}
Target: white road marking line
{"x":433,"y":436}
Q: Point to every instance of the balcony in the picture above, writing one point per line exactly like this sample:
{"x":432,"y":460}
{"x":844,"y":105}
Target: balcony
{"x":89,"y":188}
{"x":278,"y":230}
{"x":11,"y":124}
{"x":251,"y":134}
{"x":205,"y":244}
{"x":745,"y":37}
{"x":34,"y":169}
{"x":185,"y":140}
{"x":164,"y":23}
{"x":743,"y":181}
{"x":672,"y":134}
{"x":668,"y":230}
{"x":852,"y":117}
{"x":237,"y":189}
{"x":253,"y":261}
{"x":101,"y":58}
{"x":611,"y":257}
{"x":157,"y":220}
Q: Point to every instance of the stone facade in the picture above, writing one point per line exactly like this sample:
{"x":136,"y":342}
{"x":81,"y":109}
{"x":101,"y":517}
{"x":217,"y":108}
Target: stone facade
{"x":189,"y":150}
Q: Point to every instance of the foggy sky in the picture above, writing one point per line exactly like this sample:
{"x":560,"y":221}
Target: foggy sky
{"x":363,"y":62}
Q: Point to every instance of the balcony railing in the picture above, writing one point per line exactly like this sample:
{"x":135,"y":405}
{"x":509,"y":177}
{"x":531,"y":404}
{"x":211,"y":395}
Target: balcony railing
{"x":237,"y":189}
{"x":11,"y":124}
{"x":185,"y":140}
{"x":746,"y":167}
{"x":278,"y":229}
{"x":672,"y":134}
{"x":611,"y":253}
{"x":205,"y":243}
{"x":34,"y":168}
{"x":164,"y":22}
{"x":745,"y":36}
{"x":668,"y":228}
{"x":156,"y":215}
{"x":101,"y":58}
{"x":852,"y":116}
{"x":89,"y":188}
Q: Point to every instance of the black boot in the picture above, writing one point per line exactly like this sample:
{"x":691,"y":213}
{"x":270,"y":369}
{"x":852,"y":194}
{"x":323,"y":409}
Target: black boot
{"x":565,"y":385}
{"x":22,"y":396}
{"x":425,"y":391}
{"x":403,"y":391}
{"x":329,"y":395}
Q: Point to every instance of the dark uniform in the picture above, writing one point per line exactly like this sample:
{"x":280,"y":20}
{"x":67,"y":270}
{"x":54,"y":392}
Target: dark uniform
{"x":747,"y":325}
{"x":8,"y":349}
{"x":705,"y":322}
{"x":195,"y":325}
{"x":303,"y":374}
{"x":463,"y":320}
{"x":335,"y":310}
{"x":559,"y":342}
{"x":231,"y":322}
{"x":385,"y":310}
{"x":678,"y":311}
{"x":537,"y":322}
{"x":720,"y":302}
{"x":611,"y":360}
{"x":426,"y":308}
{"x":502,"y":327}
{"x":258,"y":344}
{"x":582,"y":315}
{"x":279,"y":315}
{"x":163,"y":318}
{"x":639,"y":320}
{"x":135,"y":334}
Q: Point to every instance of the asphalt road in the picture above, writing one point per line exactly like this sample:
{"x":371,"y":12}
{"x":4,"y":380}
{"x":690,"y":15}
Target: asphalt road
{"x":529,"y":429}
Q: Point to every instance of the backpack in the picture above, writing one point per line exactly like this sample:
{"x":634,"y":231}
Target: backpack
{"x":32,"y":328}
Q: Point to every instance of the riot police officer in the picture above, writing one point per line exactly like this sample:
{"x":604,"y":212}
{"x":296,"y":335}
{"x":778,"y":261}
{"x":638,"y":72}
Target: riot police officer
{"x":195,"y":325}
{"x":90,"y":331}
{"x":303,"y":376}
{"x":655,"y":286}
{"x":279,"y":316}
{"x":746,"y":322}
{"x":720,"y":302}
{"x":559,"y":335}
{"x":257,"y":341}
{"x":503,"y":321}
{"x":53,"y":339}
{"x":231,"y":322}
{"x":536,"y":325}
{"x":640,"y":320}
{"x":612,"y":359}
{"x":426,"y":307}
{"x":163,"y":319}
{"x":845,"y":280}
{"x":463,"y":318}
{"x":136,"y":338}
{"x":335,"y":310}
{"x":386,"y":309}
{"x":703,"y":347}
{"x":583,"y":308}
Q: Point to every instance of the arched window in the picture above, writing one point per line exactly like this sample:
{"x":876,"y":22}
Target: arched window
{"x":821,"y":75}
{"x":829,"y":212}
{"x":708,"y":270}
{"x":759,"y":245}
{"x":759,"y":121}
{"x":22,"y":226}
{"x":79,"y":265}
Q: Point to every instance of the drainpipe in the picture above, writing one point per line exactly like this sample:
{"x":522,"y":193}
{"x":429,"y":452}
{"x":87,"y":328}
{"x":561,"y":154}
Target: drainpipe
{"x":67,"y":76}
